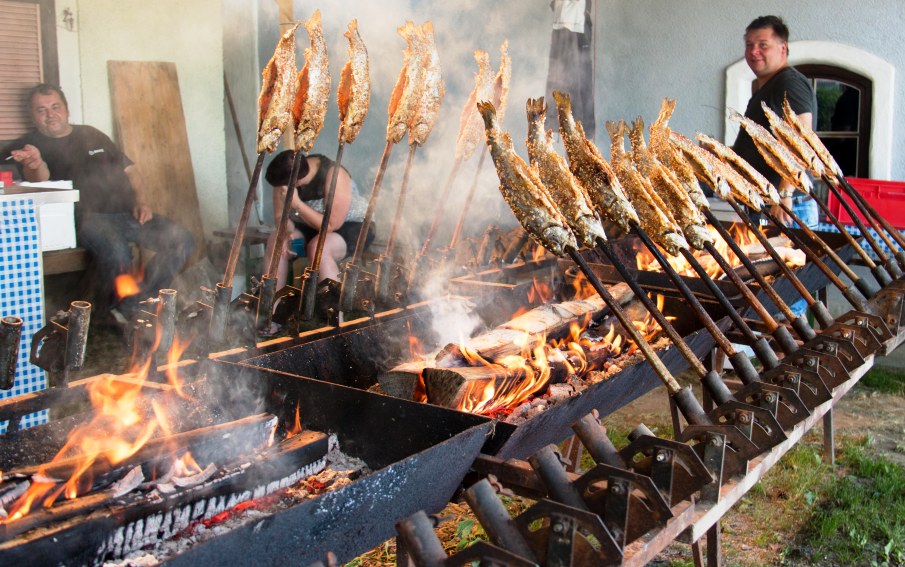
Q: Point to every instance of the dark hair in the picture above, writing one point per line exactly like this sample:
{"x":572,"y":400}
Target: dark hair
{"x":45,"y":89}
{"x":280,"y":168}
{"x":773,"y":22}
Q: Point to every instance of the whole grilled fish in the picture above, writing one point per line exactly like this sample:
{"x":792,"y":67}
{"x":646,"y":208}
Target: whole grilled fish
{"x":591,"y":170}
{"x":813,"y":140}
{"x":407,"y":93}
{"x":471,"y":126}
{"x":523,"y":190}
{"x":354,"y":93}
{"x":564,"y":189}
{"x":676,"y":201}
{"x":735,"y":161}
{"x":428,"y":108}
{"x":793,"y":142}
{"x":501,"y":82}
{"x":312,"y":89}
{"x":277,"y":91}
{"x":775,"y":154}
{"x":652,"y":219}
{"x":701,"y":162}
{"x":672,"y":158}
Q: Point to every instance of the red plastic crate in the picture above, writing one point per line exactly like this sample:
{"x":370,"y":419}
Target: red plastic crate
{"x":887,"y":197}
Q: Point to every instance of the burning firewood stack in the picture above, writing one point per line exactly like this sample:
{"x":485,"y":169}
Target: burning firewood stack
{"x":177,"y":444}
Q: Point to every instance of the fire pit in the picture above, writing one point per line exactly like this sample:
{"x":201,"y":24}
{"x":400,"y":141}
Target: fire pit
{"x":110,"y":522}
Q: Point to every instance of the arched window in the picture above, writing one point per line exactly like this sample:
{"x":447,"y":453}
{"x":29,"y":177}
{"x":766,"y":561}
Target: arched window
{"x":844,"y":101}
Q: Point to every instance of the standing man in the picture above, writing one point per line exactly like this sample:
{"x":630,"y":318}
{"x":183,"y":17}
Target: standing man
{"x":110,"y":213}
{"x":767,"y":54}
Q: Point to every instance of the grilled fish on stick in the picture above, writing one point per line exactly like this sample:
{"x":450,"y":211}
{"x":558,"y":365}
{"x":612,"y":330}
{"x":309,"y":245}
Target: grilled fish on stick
{"x":471,"y":126}
{"x":811,"y":138}
{"x":677,"y":201}
{"x":409,"y":85}
{"x":523,"y":190}
{"x":501,"y":82}
{"x":672,"y":157}
{"x":354,"y":93}
{"x":701,"y":162}
{"x":312,"y":90}
{"x":652,"y":218}
{"x":775,"y":154}
{"x":794,"y":143}
{"x":766,"y":189}
{"x":592,"y":171}
{"x":277,"y":91}
{"x":428,"y":107}
{"x":565,"y":191}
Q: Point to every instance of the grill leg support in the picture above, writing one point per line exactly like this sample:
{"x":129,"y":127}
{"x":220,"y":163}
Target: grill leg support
{"x":714,"y":549}
{"x":829,"y":439}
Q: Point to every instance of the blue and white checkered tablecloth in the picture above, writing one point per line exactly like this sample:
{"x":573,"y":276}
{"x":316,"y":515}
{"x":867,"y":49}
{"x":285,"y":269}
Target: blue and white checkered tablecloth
{"x":828,"y":227}
{"x":21,"y":281}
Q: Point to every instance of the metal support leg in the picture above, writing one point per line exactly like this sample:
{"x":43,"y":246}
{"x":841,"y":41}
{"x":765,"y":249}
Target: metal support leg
{"x":403,"y":559}
{"x":714,"y":546}
{"x":829,"y":442}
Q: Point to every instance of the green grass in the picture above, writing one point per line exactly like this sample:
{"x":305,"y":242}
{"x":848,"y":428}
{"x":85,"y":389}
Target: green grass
{"x":861,"y":519}
{"x":887,"y":381}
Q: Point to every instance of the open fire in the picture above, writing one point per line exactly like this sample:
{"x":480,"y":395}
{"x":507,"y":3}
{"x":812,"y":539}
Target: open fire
{"x":741,"y":234}
{"x":494,"y":373}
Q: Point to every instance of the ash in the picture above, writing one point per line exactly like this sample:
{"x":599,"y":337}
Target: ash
{"x":341,"y":470}
{"x":573,"y":385}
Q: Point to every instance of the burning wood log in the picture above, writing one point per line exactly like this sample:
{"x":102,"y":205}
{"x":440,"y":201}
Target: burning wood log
{"x":530,"y":329}
{"x":525,"y":332}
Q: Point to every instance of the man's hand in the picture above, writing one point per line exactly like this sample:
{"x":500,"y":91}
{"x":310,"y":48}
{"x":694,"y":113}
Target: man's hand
{"x":142,"y":213}
{"x":33,"y":166}
{"x":780,"y":214}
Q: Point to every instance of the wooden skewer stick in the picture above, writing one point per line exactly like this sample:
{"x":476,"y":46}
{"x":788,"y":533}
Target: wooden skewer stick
{"x":239,"y":237}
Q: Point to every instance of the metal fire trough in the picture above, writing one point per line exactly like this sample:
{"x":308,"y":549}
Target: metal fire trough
{"x":419,"y":455}
{"x":355,"y":358}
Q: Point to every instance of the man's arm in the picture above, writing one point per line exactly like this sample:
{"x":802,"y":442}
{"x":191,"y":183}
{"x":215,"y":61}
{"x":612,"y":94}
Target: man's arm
{"x":33,"y":166}
{"x":141,"y":211}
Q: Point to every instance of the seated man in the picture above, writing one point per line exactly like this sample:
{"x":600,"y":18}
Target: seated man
{"x":110,"y":213}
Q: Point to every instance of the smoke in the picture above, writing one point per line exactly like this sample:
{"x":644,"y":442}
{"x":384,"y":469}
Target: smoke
{"x":459,"y":28}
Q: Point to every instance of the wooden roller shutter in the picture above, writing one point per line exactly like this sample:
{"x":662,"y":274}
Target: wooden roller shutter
{"x":28,"y":53}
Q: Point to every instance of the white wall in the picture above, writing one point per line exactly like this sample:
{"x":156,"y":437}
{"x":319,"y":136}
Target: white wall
{"x":186,"y":33}
{"x":649,"y":49}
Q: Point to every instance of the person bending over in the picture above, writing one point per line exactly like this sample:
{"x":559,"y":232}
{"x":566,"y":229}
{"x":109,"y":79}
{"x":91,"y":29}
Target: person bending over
{"x":111,"y":212}
{"x":307,"y":208}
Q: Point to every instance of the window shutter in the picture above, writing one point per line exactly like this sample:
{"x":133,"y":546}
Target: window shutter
{"x":22,"y":68}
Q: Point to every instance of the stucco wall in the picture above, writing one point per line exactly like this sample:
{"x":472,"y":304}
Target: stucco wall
{"x":186,"y":33}
{"x":649,"y":49}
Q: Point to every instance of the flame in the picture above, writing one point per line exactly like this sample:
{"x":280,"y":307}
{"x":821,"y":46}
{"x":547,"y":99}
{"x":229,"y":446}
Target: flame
{"x":740,"y":233}
{"x":297,"y":424}
{"x":519,"y":377}
{"x":120,"y":426}
{"x":538,"y":294}
{"x":416,"y":349}
{"x":173,"y":378}
{"x":538,"y":254}
{"x":126,"y":285}
{"x":186,"y":465}
{"x":583,"y":288}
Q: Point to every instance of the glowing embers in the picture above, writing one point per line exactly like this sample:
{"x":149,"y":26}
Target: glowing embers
{"x":741,"y":234}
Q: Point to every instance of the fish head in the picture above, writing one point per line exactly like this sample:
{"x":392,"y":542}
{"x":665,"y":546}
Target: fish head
{"x":697,"y":236}
{"x":673,"y":243}
{"x":557,"y":239}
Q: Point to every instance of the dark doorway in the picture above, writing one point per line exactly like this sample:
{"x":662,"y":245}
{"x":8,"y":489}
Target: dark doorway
{"x":844,"y":101}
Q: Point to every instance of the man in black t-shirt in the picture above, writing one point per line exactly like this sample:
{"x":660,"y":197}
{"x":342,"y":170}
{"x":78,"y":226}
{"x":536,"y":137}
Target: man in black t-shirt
{"x":110,"y":213}
{"x":767,"y":53}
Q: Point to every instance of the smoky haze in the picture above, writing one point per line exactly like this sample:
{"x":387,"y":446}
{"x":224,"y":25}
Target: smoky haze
{"x":459,"y":29}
